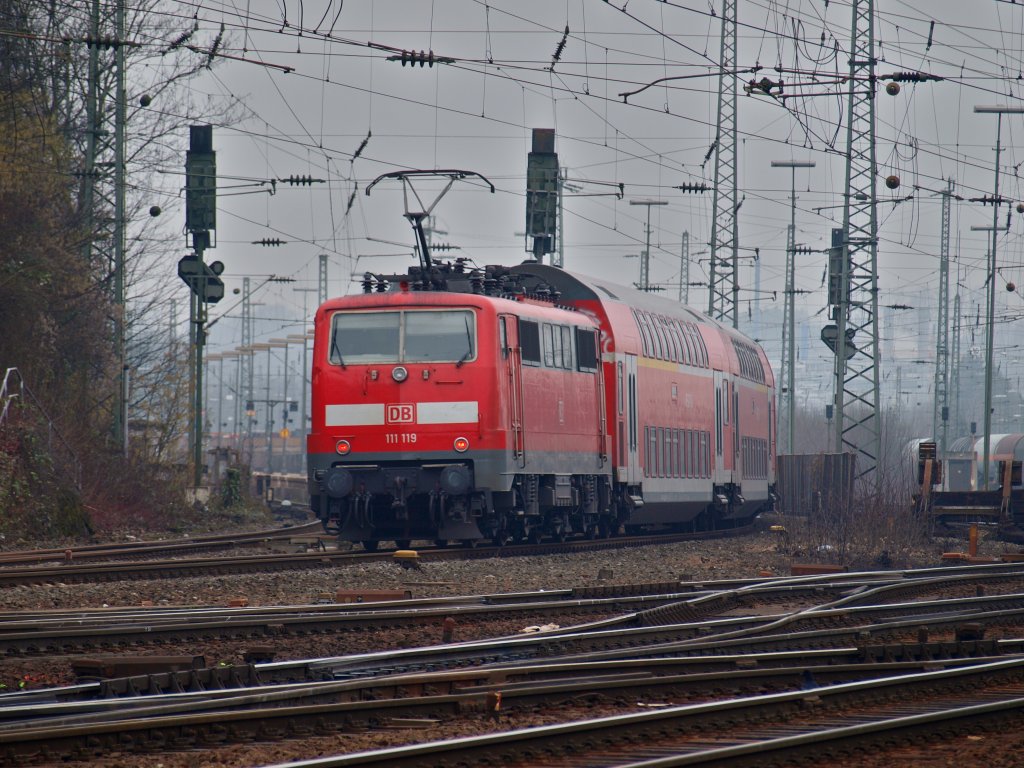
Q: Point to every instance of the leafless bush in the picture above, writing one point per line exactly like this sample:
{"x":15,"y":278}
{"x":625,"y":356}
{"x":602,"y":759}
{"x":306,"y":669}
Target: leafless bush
{"x":877,"y":528}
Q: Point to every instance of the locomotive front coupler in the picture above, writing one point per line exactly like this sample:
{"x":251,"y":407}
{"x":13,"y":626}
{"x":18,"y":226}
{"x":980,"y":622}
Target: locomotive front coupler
{"x":399,"y":505}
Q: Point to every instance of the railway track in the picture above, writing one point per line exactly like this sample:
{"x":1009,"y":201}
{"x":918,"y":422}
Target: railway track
{"x":84,"y":730}
{"x":137,"y":549}
{"x":748,"y":731}
{"x":62,"y":632}
{"x":71,"y":572}
{"x":55,"y":730}
{"x":635,"y":615}
{"x":761,"y":664}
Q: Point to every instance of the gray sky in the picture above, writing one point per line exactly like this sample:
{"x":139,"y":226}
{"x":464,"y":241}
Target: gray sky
{"x":476,"y":114}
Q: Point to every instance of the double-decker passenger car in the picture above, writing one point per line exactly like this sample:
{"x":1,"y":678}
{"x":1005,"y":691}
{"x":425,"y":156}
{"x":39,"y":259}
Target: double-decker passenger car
{"x":516,"y":403}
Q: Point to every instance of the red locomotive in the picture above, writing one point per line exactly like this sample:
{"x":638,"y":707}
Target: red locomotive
{"x":526,"y":402}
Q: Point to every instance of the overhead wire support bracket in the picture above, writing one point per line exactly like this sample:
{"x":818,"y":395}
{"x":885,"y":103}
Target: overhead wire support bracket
{"x":619,"y":187}
{"x":748,"y":70}
{"x":416,"y":217}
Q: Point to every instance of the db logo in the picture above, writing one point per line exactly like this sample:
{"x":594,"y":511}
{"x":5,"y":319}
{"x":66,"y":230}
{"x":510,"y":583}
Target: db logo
{"x":400,"y":413}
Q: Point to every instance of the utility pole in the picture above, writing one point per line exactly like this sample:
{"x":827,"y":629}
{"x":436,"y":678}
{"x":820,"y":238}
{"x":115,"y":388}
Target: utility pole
{"x":724,"y":284}
{"x":284,"y":432}
{"x":172,"y":327}
{"x":305,"y":336}
{"x":940,"y":411}
{"x":786,"y":391}
{"x":208,"y":422}
{"x":684,"y":270}
{"x":120,"y":308}
{"x":558,"y":257}
{"x":228,"y":355}
{"x":954,"y":384}
{"x":239,"y":404}
{"x":855,"y":300}
{"x":990,"y":305}
{"x":251,"y":404}
{"x":245,"y":365}
{"x":645,"y":257}
{"x":269,"y":414}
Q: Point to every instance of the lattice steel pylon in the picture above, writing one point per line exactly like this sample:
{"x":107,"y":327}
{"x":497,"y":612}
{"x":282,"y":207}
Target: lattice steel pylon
{"x":855,"y":311}
{"x":723,"y":282}
{"x":245,"y":373}
{"x":940,"y":412}
{"x":102,"y":190}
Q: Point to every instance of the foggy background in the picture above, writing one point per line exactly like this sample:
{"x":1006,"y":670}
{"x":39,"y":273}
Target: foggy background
{"x":315,"y":87}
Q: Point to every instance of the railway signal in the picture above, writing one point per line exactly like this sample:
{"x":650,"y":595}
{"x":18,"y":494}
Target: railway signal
{"x":830,"y":333}
{"x":202,"y":279}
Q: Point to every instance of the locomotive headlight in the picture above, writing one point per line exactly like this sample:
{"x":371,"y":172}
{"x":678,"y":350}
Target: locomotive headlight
{"x":399,"y":373}
{"x":343,"y":448}
{"x":461,"y":444}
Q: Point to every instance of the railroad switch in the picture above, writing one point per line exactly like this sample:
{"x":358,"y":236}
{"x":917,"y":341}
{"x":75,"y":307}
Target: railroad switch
{"x":370,"y":595}
{"x":448,"y":630}
{"x":970,"y":632}
{"x":815,"y":569}
{"x":103,"y":667}
{"x":493,"y":704}
{"x":257,"y":654}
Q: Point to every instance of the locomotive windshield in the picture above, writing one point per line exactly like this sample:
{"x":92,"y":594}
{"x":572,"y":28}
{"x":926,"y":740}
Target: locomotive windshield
{"x":415,"y":336}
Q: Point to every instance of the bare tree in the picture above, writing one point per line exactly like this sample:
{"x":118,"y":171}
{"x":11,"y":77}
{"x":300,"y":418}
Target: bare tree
{"x":57,"y":95}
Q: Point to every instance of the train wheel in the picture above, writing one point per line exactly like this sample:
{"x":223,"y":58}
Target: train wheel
{"x":534,"y":536}
{"x":440,"y":543}
{"x":470,"y":543}
{"x":403,"y":543}
{"x":370,"y":545}
{"x":592,"y":531}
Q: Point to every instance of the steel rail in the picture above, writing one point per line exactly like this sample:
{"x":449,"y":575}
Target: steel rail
{"x":137,"y":548}
{"x":72,"y":573}
{"x":602,"y":738}
{"x":236,"y":716}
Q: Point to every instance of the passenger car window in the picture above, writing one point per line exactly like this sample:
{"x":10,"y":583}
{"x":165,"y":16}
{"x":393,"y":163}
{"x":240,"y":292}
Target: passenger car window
{"x":586,"y":354}
{"x":567,"y":360}
{"x":549,"y":347}
{"x":529,"y":341}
